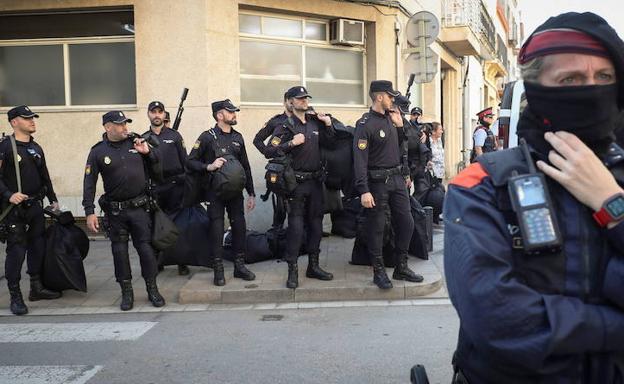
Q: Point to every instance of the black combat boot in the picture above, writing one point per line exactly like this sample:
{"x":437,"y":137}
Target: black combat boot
{"x":127,"y":295}
{"x":183,"y":270}
{"x":39,"y":292}
{"x":314,"y":270}
{"x":18,"y":307}
{"x":380,"y":278}
{"x":219,"y":276}
{"x":240,"y":270}
{"x":152,"y":293}
{"x":293,"y":275}
{"x":402,"y":271}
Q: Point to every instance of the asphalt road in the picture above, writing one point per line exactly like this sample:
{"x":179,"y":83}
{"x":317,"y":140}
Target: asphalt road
{"x":373,"y":344}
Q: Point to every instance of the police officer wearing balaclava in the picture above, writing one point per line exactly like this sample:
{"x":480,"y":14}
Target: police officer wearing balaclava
{"x":531,"y":310}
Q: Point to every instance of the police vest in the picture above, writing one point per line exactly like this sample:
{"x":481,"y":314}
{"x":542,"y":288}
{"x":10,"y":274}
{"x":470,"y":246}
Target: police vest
{"x":488,"y":146}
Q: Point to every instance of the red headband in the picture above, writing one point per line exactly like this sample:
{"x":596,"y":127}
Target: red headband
{"x":560,"y":41}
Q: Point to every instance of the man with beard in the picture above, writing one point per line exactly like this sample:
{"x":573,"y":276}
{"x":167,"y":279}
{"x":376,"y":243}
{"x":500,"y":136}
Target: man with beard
{"x":483,"y":139}
{"x":208,"y":156}
{"x":382,"y":181}
{"x":551,"y":313}
{"x":301,"y":137}
{"x":22,"y":202}
{"x":121,"y":161}
{"x":279,"y":214}
{"x":169,"y":191}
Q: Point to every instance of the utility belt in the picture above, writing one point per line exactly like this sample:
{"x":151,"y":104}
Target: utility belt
{"x":305,"y":176}
{"x":174,"y":179}
{"x":115,"y":207}
{"x":382,"y":175}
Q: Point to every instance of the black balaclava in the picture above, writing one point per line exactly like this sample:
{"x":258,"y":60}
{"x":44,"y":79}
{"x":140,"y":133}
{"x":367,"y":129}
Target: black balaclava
{"x":590,"y":112}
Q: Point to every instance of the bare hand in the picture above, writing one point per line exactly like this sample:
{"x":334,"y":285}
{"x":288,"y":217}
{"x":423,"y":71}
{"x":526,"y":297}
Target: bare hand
{"x":54,"y":206}
{"x":141,"y":146}
{"x":298,"y":139}
{"x":92,"y":223}
{"x":325,"y":119}
{"x":408,"y":182}
{"x":578,"y":170}
{"x":429,"y":164}
{"x":396,"y":118}
{"x":218,"y":163}
{"x":251,"y":203}
{"x":367,"y":200}
{"x":17,"y":198}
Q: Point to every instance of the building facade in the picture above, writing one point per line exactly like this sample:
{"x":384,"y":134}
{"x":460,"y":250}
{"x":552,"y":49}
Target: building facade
{"x":72,"y":60}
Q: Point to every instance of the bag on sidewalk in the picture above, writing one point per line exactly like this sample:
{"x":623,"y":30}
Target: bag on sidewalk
{"x":193,"y":245}
{"x":345,"y":222}
{"x":360,"y":254}
{"x":66,"y":248}
{"x":256,"y":247}
{"x":419,"y":241}
{"x":164,"y":233}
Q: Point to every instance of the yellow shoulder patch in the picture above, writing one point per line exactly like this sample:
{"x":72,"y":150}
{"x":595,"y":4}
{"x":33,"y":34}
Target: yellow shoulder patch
{"x":196,"y":145}
{"x":362,"y":144}
{"x":88,"y":169}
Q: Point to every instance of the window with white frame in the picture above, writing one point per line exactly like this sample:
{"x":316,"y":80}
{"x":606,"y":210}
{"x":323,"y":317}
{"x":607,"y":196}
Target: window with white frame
{"x":278,"y":52}
{"x":68,"y":59}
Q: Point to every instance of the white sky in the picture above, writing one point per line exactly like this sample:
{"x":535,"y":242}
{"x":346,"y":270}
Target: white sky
{"x":535,"y":12}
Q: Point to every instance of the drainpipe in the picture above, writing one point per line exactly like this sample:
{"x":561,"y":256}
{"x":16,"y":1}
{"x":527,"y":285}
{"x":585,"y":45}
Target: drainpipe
{"x":467,"y":133}
{"x":397,"y":32}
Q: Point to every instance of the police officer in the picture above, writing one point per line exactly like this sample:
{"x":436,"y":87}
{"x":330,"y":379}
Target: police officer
{"x":208,"y":156}
{"x":415,"y":115}
{"x":279,"y":208}
{"x":121,"y":160}
{"x":23,"y":208}
{"x":169,"y":191}
{"x":382,"y":180}
{"x":301,"y":138}
{"x":547,"y":314}
{"x":483,"y":139}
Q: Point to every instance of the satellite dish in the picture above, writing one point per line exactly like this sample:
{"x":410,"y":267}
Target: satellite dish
{"x":422,"y":29}
{"x":423,"y":65}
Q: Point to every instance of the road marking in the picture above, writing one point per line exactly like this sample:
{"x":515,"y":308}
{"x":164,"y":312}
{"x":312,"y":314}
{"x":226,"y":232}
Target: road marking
{"x":66,"y":332}
{"x":47,"y":374}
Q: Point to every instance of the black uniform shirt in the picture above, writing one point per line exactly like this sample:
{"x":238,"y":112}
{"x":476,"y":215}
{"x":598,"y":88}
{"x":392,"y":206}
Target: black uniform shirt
{"x":170,"y":150}
{"x":376,"y":145}
{"x":267,"y":131}
{"x":307,"y":156}
{"x":122,"y":169}
{"x":204,"y":152}
{"x":33,"y":170}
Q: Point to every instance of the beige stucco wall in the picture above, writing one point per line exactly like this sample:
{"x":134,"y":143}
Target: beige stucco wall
{"x":195,"y":44}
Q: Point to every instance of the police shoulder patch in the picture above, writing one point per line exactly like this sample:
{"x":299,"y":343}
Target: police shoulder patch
{"x":88,"y":169}
{"x":275,"y":141}
{"x":197,"y":144}
{"x":362,"y":144}
{"x":470,"y":177}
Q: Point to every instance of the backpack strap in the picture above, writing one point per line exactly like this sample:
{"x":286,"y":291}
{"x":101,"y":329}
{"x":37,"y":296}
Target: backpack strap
{"x":18,"y":176}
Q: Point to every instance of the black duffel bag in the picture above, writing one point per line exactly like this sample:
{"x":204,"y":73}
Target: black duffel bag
{"x":66,"y":248}
{"x":430,"y":193}
{"x":256,"y":247}
{"x":277,"y":238}
{"x":419,"y":241}
{"x":360,"y":254}
{"x":193,"y":245}
{"x":345,"y":222}
{"x":165,"y":233}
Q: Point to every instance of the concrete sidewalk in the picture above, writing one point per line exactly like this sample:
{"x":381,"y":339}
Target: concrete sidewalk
{"x":350,"y":282}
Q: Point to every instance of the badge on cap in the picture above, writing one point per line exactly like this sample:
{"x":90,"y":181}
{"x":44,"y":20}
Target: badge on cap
{"x":88,"y":169}
{"x":107,"y":160}
{"x":121,"y":114}
{"x":362,"y":144}
{"x":302,"y":90}
{"x":382,"y":134}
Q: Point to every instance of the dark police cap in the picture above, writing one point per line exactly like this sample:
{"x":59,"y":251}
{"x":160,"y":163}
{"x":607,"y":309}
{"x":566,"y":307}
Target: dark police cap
{"x":403,"y":103}
{"x":596,"y":27}
{"x":297,"y":92}
{"x":416,"y":111}
{"x":155,"y":104}
{"x":224,"y":104}
{"x":117,"y":117}
{"x":383,"y":86}
{"x":21,"y":111}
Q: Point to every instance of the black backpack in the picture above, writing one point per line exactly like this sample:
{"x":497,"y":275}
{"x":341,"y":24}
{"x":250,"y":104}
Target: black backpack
{"x":280,"y":175}
{"x":229,"y":180}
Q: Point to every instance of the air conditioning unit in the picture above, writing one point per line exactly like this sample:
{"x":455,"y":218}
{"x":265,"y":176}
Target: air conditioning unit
{"x":346,"y":32}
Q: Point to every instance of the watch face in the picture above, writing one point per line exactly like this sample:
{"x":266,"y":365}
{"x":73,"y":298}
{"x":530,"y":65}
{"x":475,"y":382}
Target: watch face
{"x":615,"y":207}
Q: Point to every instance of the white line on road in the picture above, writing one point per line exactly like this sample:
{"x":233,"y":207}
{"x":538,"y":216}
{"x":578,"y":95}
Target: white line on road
{"x":47,"y":374}
{"x":66,"y":332}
